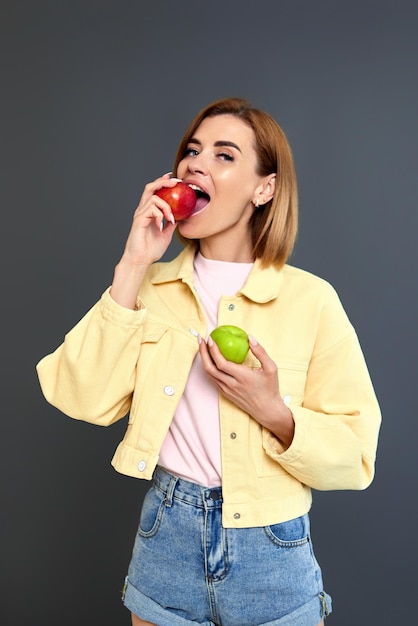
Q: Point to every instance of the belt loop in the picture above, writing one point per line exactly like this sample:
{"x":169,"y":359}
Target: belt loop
{"x":168,"y":500}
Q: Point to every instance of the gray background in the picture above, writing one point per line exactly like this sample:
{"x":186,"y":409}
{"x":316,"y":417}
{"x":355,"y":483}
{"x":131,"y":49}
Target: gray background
{"x":94,"y":98}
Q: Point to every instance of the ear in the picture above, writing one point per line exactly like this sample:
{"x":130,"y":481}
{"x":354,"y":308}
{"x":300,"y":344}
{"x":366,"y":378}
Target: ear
{"x":265,"y":190}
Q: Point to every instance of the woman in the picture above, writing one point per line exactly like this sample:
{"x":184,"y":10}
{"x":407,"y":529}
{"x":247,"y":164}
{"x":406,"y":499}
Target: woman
{"x":232,"y":450}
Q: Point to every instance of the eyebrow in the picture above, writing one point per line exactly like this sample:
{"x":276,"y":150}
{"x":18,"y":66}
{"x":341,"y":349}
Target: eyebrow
{"x":217,"y":144}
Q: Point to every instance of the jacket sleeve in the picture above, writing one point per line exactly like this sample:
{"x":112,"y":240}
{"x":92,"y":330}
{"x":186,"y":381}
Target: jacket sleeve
{"x":91,"y":375}
{"x":337,"y":424}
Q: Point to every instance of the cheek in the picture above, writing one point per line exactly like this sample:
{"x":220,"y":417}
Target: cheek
{"x":228,"y":185}
{"x":239,"y":184}
{"x":181,"y":169}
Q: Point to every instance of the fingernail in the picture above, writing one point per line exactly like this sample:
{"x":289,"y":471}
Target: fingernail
{"x":210,"y":341}
{"x":161,"y":227}
{"x":167,"y":174}
{"x":172,"y":220}
{"x":199,"y":339}
{"x":252,"y":341}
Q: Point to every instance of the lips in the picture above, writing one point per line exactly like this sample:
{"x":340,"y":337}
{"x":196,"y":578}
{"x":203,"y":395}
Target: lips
{"x":202,"y":198}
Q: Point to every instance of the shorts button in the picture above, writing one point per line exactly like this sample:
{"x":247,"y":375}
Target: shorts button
{"x":214,"y":495}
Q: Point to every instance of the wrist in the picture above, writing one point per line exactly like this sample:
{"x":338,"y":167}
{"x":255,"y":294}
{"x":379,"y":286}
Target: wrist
{"x":282,"y":424}
{"x":127,"y":280}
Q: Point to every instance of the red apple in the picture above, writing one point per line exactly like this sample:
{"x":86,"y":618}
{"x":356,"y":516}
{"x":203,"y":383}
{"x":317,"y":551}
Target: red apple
{"x":181,"y":198}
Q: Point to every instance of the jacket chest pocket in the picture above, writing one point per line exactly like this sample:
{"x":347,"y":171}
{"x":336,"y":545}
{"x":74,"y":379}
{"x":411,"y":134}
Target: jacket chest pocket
{"x":151,"y":350}
{"x":153,"y":332}
{"x":292,"y":380}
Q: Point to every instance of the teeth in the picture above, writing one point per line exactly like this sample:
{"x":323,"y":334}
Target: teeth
{"x":196,"y":188}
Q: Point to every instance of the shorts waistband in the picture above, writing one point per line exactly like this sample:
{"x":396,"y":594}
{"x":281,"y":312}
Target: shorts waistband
{"x":176,"y":488}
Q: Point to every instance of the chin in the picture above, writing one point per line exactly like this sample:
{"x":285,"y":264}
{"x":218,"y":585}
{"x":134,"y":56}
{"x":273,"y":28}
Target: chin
{"x":188,"y":232}
{"x":190,"y":228}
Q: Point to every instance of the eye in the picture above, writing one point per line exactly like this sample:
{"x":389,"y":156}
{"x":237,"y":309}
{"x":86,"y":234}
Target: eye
{"x":225,"y":156}
{"x":190,"y":152}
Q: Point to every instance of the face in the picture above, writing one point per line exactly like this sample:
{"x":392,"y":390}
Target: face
{"x":220,"y":162}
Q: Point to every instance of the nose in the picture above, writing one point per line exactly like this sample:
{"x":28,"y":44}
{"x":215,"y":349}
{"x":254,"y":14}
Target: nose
{"x":197,"y":165}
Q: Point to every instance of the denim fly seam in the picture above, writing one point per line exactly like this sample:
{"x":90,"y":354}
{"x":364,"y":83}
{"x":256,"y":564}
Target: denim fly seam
{"x":214,"y":535}
{"x":215,"y":547}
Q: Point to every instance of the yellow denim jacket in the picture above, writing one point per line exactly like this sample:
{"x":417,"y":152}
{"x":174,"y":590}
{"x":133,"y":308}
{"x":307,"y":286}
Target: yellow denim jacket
{"x":117,"y":362}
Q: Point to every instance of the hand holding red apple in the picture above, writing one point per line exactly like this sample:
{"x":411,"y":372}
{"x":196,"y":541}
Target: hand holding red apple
{"x":151,"y":232}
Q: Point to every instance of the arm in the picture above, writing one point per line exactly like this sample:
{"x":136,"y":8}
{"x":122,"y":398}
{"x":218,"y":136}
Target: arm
{"x":91,"y":376}
{"x":328,"y":439}
{"x":146,"y":243}
{"x":337,"y":426}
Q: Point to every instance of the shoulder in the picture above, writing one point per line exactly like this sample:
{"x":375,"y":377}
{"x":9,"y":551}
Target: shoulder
{"x":301,"y":281}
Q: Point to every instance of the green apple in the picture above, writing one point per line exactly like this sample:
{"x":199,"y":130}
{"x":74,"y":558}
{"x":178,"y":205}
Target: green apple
{"x":232,"y":342}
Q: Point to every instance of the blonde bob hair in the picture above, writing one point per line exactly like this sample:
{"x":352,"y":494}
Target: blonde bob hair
{"x":274,"y":224}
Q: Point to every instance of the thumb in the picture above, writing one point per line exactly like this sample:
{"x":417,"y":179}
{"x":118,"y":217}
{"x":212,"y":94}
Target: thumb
{"x":267,"y":363}
{"x":256,"y":348}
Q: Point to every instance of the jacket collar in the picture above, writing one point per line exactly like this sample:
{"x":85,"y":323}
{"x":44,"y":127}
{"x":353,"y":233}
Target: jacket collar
{"x":262,"y":284}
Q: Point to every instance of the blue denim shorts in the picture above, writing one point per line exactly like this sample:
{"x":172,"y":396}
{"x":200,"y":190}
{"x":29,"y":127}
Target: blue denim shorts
{"x":187,"y":569}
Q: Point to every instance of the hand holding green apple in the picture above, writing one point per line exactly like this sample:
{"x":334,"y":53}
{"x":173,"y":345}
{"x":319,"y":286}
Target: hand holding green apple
{"x":232,"y":342}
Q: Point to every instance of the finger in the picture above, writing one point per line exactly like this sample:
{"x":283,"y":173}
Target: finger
{"x":231,"y":369}
{"x":166,"y":180}
{"x":216,"y":355}
{"x":149,"y":216}
{"x":260,"y":353}
{"x":155,"y":207}
{"x":209,"y":364}
{"x":165,"y":208}
{"x":163,"y":181}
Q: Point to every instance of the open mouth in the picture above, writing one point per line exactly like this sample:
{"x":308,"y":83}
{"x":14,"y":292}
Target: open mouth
{"x":202,"y":199}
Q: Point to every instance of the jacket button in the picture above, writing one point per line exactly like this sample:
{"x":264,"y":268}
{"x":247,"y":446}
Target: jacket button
{"x":193,"y":332}
{"x":231,"y":307}
{"x":233,"y":435}
{"x":237,"y":515}
{"x":287,"y":400}
{"x":141,"y":466}
{"x":168,"y":390}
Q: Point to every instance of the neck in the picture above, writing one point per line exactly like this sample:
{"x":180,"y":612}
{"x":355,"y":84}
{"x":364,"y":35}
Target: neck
{"x":233,"y":254}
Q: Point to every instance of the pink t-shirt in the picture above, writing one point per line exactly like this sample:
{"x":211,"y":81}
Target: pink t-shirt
{"x":192,"y":448}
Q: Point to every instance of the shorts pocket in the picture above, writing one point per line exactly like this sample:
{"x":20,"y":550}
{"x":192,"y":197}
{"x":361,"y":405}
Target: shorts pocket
{"x":291,"y":534}
{"x":152,"y":513}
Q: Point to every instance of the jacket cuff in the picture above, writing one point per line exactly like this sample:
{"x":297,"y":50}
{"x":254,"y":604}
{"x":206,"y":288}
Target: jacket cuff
{"x":120,"y":315}
{"x":275,"y":449}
